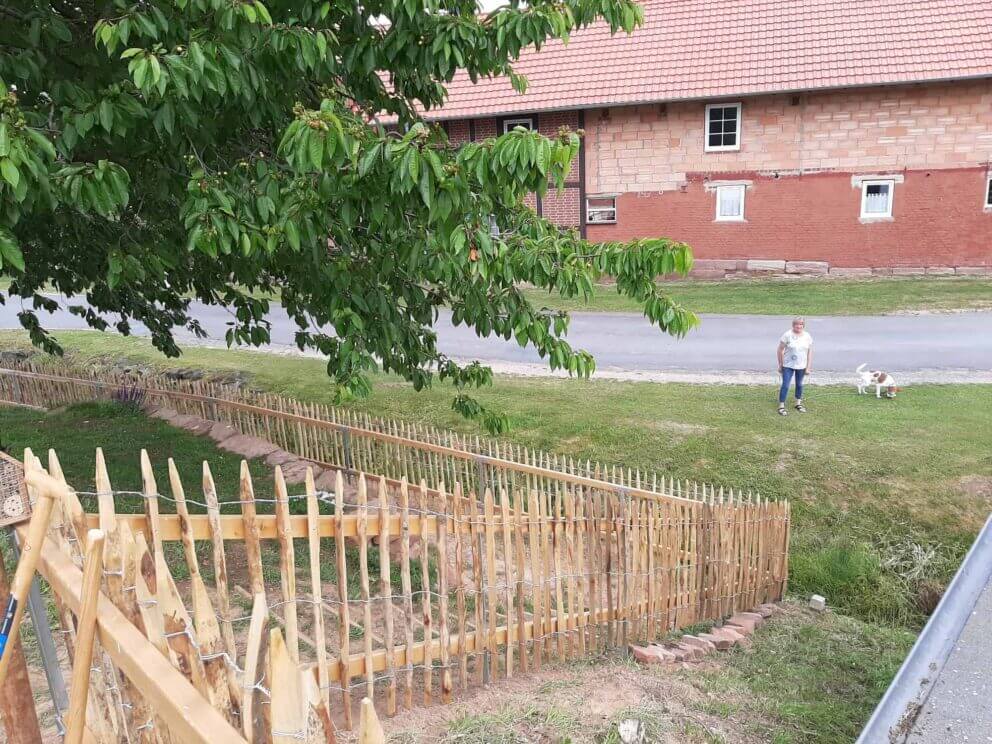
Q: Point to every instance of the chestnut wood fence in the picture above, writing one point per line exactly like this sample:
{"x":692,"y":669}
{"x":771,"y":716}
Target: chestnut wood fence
{"x":236,"y":617}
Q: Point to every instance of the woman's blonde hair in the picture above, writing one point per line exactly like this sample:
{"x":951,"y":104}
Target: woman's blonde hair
{"x":799,"y":319}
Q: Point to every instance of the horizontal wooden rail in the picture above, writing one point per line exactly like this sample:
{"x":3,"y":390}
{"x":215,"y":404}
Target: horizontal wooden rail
{"x":188,"y":714}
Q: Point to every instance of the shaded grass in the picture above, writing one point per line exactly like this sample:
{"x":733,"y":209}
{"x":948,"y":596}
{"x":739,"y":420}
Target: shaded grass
{"x":797,"y":296}
{"x":75,"y":433}
{"x":122,"y":432}
{"x":874,"y":484}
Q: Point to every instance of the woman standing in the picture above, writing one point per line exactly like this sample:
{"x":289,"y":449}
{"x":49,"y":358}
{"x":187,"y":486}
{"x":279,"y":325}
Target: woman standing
{"x":795,"y":359}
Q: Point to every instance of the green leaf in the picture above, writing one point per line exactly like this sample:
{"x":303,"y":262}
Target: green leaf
{"x":139,"y":73}
{"x":263,"y":13}
{"x":9,"y":172}
{"x":106,"y":114}
{"x":292,"y":235}
{"x":4,"y":140}
{"x":369,"y":160}
{"x":156,"y":69}
{"x":11,"y":253}
{"x":196,"y":56}
{"x":316,"y":148}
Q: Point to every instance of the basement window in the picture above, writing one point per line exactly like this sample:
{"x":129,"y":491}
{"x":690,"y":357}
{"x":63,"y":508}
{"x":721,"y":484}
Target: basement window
{"x":730,"y":203}
{"x":723,"y":127}
{"x":876,"y":199}
{"x":526,"y":122}
{"x":988,"y":191}
{"x":601,"y":210}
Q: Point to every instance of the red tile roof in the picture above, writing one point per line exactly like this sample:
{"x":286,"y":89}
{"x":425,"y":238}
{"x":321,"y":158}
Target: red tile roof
{"x":690,"y":49}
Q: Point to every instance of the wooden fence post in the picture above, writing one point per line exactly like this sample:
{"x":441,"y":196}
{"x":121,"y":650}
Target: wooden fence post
{"x":369,"y":729}
{"x":16,"y":699}
{"x":10,"y":628}
{"x":85,"y":636}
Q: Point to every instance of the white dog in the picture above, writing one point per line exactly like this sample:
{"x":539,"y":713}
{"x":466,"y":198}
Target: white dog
{"x":881,"y":380}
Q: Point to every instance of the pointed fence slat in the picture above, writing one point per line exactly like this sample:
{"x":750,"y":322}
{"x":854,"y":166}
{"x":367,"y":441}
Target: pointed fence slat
{"x":344,"y":625}
{"x":363,"y":570}
{"x":427,"y":611}
{"x":287,"y":567}
{"x":551,"y":567}
{"x":316,"y":584}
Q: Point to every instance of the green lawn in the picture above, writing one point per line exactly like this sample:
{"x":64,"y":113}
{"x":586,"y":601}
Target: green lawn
{"x":122,"y":432}
{"x":799,"y":296}
{"x":887,"y":494}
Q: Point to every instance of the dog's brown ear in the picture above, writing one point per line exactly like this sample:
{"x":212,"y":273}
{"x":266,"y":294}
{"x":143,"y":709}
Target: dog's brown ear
{"x":882,"y":377}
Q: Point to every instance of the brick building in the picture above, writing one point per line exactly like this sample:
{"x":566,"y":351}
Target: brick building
{"x":794,"y":136}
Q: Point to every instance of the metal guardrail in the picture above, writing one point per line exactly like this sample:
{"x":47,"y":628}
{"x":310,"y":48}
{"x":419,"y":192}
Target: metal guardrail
{"x":894,"y":718}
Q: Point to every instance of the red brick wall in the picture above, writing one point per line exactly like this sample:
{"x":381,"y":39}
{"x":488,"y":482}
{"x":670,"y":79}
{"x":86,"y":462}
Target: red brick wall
{"x":938,"y":220}
{"x":458,"y":131}
{"x":562,"y":209}
{"x":656,"y":148}
{"x":939,"y":136}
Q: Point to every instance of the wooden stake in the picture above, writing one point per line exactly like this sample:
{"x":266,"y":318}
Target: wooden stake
{"x":344,"y":625}
{"x":16,"y":699}
{"x":253,"y":548}
{"x":150,"y":489}
{"x":186,"y":529}
{"x":256,"y":629}
{"x":386,"y":593}
{"x":520,"y":528}
{"x":85,"y":636}
{"x":425,"y":598}
{"x":288,"y":706}
{"x":537,"y":577}
{"x":363,"y":568}
{"x":491,"y":581}
{"x":507,"y":579}
{"x":406,"y":587}
{"x":220,"y":564}
{"x":316,"y":586}
{"x":460,"y":595}
{"x":369,"y":728}
{"x":442,"y":588}
{"x":287,"y":566}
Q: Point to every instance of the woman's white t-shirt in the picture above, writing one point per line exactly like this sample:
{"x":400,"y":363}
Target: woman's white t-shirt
{"x":796,"y":349}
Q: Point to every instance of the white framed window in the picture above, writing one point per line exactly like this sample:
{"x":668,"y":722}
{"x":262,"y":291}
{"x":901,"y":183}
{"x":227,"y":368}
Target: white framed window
{"x":723,"y":127}
{"x":988,"y":191}
{"x":526,"y":122}
{"x":730,"y":202}
{"x":601,"y":210}
{"x":876,"y":199}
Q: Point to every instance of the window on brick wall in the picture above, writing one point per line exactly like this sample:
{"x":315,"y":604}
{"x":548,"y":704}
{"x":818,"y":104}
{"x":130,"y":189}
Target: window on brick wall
{"x":988,"y":191}
{"x":730,"y":203}
{"x":510,"y":124}
{"x":723,"y":127}
{"x":876,"y":199}
{"x":601,"y":210}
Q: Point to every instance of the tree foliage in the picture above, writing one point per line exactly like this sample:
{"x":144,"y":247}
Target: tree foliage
{"x":156,"y":151}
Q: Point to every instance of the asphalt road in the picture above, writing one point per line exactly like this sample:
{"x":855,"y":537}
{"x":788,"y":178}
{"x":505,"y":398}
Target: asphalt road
{"x":723,"y":343}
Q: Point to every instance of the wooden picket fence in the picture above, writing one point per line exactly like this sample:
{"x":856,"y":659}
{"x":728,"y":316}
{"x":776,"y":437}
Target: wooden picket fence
{"x":236,"y":617}
{"x":342,"y":438}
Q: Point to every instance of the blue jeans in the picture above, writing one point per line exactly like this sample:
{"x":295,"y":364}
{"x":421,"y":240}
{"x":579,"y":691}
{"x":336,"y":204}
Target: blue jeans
{"x":787,"y":375}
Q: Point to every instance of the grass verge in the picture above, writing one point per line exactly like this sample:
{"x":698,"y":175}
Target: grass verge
{"x":806,"y":678}
{"x":887,"y":494}
{"x":798,"y":296}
